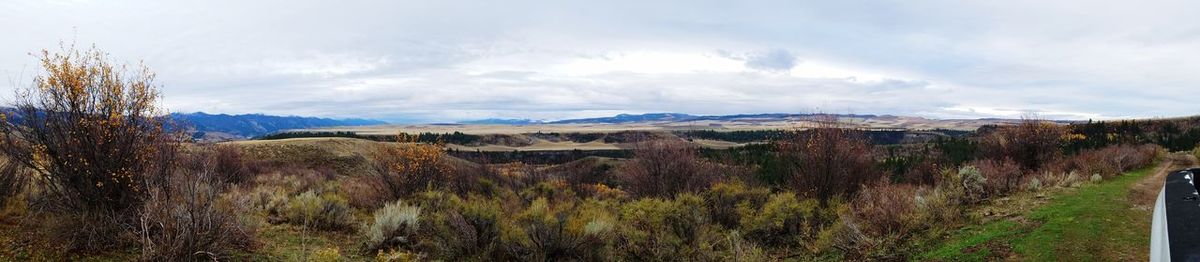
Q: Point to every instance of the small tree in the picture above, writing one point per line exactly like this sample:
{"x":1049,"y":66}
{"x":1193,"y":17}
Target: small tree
{"x":828,"y":160}
{"x":663,"y":168}
{"x":89,"y":136}
{"x":89,"y":131}
{"x":409,"y":167}
{"x":1031,"y":143}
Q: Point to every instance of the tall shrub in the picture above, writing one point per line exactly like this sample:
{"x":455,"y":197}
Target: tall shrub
{"x":409,"y":167}
{"x":92,"y":137}
{"x":1031,"y":143}
{"x":828,"y":161}
{"x":664,"y":168}
{"x":185,"y":219}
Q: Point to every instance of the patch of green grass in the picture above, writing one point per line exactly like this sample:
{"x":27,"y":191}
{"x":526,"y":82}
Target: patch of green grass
{"x":1095,"y":222}
{"x":972,"y":237}
{"x":286,"y":242}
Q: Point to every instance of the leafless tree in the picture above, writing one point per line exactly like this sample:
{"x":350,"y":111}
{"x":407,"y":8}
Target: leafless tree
{"x":828,"y":160}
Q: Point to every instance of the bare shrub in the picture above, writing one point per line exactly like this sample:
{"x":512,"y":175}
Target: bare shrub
{"x":1113,"y":160}
{"x":12,"y":182}
{"x":91,"y":231}
{"x":881,"y":217}
{"x":828,"y":161}
{"x":361,"y":192}
{"x":185,"y":220}
{"x":886,"y":209}
{"x":664,"y":168}
{"x":925,"y":172}
{"x":1031,"y":143}
{"x":230,"y":164}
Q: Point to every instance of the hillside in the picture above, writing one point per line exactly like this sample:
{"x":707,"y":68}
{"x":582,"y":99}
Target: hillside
{"x":222,"y":126}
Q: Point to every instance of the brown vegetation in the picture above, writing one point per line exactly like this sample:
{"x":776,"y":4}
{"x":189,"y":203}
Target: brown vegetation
{"x":664,"y":168}
{"x":92,"y":148}
{"x":1031,"y":143}
{"x":828,"y":161}
{"x":91,"y":138}
{"x":409,"y":168}
{"x":186,"y":218}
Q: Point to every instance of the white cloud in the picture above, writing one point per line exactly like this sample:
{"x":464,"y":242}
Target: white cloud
{"x":450,"y":60}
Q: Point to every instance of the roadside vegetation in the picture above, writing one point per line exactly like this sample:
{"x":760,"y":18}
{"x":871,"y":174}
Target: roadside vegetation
{"x":89,"y":168}
{"x":1090,"y":222}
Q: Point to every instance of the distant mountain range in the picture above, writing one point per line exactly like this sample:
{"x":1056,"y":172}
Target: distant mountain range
{"x":501,"y":121}
{"x":225,"y":127}
{"x":253,"y":125}
{"x":655,"y":117}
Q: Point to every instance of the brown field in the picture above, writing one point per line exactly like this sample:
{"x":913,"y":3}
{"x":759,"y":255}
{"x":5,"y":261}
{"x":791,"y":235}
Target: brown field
{"x":916,"y":123}
{"x":536,"y":144}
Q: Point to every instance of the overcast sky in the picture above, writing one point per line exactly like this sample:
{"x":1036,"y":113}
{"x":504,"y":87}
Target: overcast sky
{"x":446,"y":60}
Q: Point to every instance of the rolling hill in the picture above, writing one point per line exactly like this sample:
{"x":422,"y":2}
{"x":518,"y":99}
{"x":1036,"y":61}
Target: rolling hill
{"x":222,"y":126}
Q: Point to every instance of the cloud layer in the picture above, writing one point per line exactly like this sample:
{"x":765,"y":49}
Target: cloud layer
{"x":428,"y":61}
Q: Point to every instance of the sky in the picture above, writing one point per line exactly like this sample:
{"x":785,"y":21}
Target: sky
{"x":450,"y":60}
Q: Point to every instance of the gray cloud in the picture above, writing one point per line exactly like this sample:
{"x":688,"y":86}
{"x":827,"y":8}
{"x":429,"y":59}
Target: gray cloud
{"x":451,"y":60}
{"x":773,"y":60}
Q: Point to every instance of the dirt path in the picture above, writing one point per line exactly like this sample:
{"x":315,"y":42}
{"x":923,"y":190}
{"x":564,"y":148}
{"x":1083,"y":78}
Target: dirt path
{"x":1145,"y":192}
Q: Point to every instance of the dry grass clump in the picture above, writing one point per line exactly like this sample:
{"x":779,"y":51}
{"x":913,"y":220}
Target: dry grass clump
{"x":1196,"y":152}
{"x":322,"y":211}
{"x":12,"y":185}
{"x":394,"y":225}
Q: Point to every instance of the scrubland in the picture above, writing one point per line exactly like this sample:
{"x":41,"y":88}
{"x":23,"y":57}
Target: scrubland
{"x":71,"y":183}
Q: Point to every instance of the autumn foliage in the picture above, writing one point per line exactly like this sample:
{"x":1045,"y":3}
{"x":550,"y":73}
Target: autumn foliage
{"x":90,"y":131}
{"x":409,"y":167}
